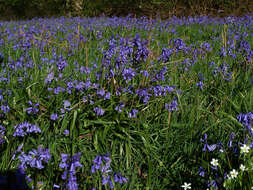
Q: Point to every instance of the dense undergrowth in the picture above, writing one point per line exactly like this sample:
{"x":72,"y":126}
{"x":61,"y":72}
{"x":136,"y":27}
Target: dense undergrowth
{"x":126,"y":103}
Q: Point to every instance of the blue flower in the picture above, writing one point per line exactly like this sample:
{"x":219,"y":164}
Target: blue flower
{"x":34,"y":158}
{"x":207,"y":146}
{"x":200,"y":84}
{"x":119,"y":178}
{"x":49,"y":78}
{"x":56,"y":186}
{"x":54,"y":116}
{"x":132,"y":114}
{"x":166,"y":54}
{"x":24,"y":128}
{"x":66,"y":104}
{"x":99,"y":111}
{"x":64,"y":158}
{"x":33,"y":109}
{"x":231,"y":137}
{"x":98,"y":161}
{"x":66,"y":132}
{"x":107,"y":96}
{"x":70,"y":167}
{"x":5,"y":108}
{"x":2,"y":133}
{"x":2,"y":130}
{"x":101,"y":92}
{"x":128,"y":74}
{"x":202,"y":172}
{"x":173,"y":106}
{"x":120,"y":107}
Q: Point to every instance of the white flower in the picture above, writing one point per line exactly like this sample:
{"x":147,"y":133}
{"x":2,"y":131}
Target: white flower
{"x":245,"y":148}
{"x":214,"y":162}
{"x":186,"y":186}
{"x":243,"y":168}
{"x":233,"y":174}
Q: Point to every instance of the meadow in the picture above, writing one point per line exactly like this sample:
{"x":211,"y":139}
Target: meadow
{"x":127,"y":103}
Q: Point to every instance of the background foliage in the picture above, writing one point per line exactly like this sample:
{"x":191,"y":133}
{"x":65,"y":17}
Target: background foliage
{"x":20,"y":9}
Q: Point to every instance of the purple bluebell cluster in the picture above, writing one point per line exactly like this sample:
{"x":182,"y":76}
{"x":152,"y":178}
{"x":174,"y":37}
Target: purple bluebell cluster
{"x":34,"y":109}
{"x":2,"y":133}
{"x":34,"y":158}
{"x":246,"y":119}
{"x":173,"y":106}
{"x":5,"y":108}
{"x":99,"y":111}
{"x":166,"y":54}
{"x":25,"y":128}
{"x":208,"y":147}
{"x":69,"y":165}
{"x":132,"y":113}
{"x":54,"y":116}
{"x":102,"y":163}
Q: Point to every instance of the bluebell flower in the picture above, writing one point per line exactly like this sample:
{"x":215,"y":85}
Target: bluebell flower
{"x":5,"y":108}
{"x":34,"y":109}
{"x":206,"y":46}
{"x":107,"y":96}
{"x":101,"y":92}
{"x":64,"y":159}
{"x":33,"y":129}
{"x":132,"y":114}
{"x":98,"y":161}
{"x":70,"y":167}
{"x":161,"y":74}
{"x":58,"y":89}
{"x":54,"y":116}
{"x":107,"y":179}
{"x":200,"y":84}
{"x":24,"y":128}
{"x":119,"y":178}
{"x":128,"y":74}
{"x":56,"y":186}
{"x":173,"y":106}
{"x":17,"y":151}
{"x":72,"y":182}
{"x":120,"y":107}
{"x":245,"y":119}
{"x":2,"y":130}
{"x":202,"y":172}
{"x":66,"y":132}
{"x":166,"y":54}
{"x":145,"y":73}
{"x":49,"y":78}
{"x":34,"y":158}
{"x":212,"y":184}
{"x":99,"y":111}
{"x":207,"y":146}
{"x":2,"y":133}
{"x":231,"y":137}
{"x":66,"y":105}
